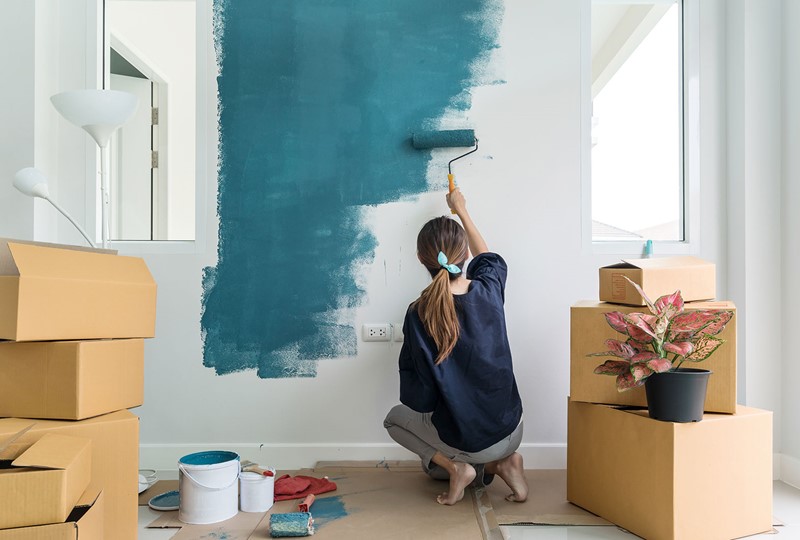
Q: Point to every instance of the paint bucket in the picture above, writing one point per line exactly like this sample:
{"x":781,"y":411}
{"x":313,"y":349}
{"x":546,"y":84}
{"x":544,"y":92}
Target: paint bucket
{"x":209,"y":487}
{"x":256,"y":492}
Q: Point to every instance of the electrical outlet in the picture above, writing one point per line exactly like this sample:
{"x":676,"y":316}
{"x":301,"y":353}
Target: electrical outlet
{"x":397,"y":331}
{"x":376,"y":332}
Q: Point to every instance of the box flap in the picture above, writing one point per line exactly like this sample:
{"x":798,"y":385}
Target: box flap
{"x":63,"y":263}
{"x":53,"y":452}
{"x":9,"y":268}
{"x":662,"y":262}
{"x":7,"y":265}
{"x":89,"y":496}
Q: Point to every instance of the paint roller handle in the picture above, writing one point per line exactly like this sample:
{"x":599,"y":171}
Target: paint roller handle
{"x":452,"y":181}
{"x":306,"y":504}
{"x":257,"y":469}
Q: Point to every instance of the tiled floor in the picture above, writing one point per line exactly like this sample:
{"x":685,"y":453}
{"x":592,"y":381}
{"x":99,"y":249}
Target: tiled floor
{"x":786,"y":505}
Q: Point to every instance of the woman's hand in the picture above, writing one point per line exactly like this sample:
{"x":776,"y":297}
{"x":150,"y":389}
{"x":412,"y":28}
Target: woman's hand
{"x":457,"y":202}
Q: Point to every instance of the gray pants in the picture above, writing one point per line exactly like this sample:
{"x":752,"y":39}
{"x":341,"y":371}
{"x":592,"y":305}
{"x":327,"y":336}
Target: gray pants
{"x":415,"y":431}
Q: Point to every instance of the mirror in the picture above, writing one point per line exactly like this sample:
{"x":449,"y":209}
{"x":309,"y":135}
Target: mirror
{"x":151,"y":52}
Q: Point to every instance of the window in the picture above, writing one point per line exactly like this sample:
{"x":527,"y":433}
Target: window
{"x":638,"y":173}
{"x":151,"y":53}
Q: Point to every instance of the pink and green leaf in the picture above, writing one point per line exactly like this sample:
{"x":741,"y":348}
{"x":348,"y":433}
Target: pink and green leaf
{"x":613,"y":367}
{"x":691,"y":322}
{"x":619,"y":348}
{"x":626,"y":381}
{"x":669,"y":304}
{"x":681,"y":348}
{"x":718,"y":325}
{"x":638,"y":322}
{"x":660,"y":365}
{"x":616,"y":320}
{"x":644,"y":296}
{"x":704,"y":348}
{"x":644,"y":356}
{"x":639,"y":335}
{"x":638,"y":346}
{"x":640,"y":371}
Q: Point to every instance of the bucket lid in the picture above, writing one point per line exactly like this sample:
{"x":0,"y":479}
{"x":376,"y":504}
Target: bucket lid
{"x":211,"y":457}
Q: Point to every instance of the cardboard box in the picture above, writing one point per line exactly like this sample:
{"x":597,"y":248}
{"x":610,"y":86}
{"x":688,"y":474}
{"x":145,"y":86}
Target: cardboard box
{"x":85,"y":522}
{"x":665,"y":481}
{"x":115,"y":461}
{"x":53,"y":292}
{"x":589,"y":331}
{"x":43,"y":484}
{"x":695,"y":278}
{"x":70,"y":380}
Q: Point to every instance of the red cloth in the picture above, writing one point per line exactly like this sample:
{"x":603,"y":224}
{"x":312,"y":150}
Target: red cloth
{"x":299,"y":487}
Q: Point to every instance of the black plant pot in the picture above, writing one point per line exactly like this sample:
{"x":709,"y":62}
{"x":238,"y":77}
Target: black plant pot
{"x":677,"y":396}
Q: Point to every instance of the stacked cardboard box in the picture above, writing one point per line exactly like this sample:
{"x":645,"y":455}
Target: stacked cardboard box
{"x":74,"y":320}
{"x":662,"y":480}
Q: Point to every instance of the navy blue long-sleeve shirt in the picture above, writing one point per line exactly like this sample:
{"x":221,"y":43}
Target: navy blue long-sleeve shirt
{"x":473,"y":393}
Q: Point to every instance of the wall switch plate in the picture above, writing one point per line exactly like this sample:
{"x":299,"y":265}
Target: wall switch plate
{"x":397,"y":331}
{"x":376,"y":332}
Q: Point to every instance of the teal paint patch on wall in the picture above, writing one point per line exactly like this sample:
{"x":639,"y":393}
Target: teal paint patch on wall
{"x":318,"y":100}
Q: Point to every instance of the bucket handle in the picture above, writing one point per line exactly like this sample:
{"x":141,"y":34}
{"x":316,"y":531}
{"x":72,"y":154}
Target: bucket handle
{"x":202,"y":485}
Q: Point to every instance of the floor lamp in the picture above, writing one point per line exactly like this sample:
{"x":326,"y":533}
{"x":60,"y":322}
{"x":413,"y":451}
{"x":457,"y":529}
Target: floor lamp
{"x":33,"y":183}
{"x":100,"y":113}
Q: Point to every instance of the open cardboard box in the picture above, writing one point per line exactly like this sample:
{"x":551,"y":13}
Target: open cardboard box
{"x":115,"y":460}
{"x":695,"y":278}
{"x":665,"y":481}
{"x":43,"y":484}
{"x":55,"y":292}
{"x":70,"y":380}
{"x":85,"y":522}
{"x":589,"y":331}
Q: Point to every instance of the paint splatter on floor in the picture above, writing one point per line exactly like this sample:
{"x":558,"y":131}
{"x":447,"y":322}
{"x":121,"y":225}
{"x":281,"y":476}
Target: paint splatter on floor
{"x":219,"y":535}
{"x":318,"y":100}
{"x":328,"y":509}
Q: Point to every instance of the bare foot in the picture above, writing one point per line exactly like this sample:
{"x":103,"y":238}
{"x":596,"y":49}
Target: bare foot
{"x":511,"y":470}
{"x":461,"y":476}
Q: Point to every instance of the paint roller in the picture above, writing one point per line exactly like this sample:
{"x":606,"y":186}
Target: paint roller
{"x":293,"y":524}
{"x":453,"y":138}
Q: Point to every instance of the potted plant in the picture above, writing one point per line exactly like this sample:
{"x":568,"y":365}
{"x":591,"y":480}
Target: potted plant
{"x":655,"y":347}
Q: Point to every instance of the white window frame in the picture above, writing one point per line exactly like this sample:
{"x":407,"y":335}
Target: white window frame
{"x":691,"y":141}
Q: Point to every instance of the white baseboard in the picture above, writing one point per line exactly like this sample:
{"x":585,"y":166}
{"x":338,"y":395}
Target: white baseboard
{"x":788,"y":470}
{"x":164,"y":457}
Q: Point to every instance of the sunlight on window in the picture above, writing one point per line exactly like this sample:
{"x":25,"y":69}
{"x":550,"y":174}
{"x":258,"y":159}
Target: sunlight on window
{"x":637,"y":127}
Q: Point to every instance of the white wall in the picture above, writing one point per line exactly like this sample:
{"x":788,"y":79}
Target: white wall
{"x":527,"y":200}
{"x":754,"y":196}
{"x":16,"y":109}
{"x":46,"y":49}
{"x":790,"y":227}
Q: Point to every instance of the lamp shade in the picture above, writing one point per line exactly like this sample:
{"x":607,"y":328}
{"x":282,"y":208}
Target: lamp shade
{"x":31,"y":182}
{"x":99,"y":112}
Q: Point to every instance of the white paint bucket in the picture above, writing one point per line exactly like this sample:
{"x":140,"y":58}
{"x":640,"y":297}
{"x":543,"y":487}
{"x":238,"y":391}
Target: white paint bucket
{"x":209,"y":487}
{"x":256,"y":492}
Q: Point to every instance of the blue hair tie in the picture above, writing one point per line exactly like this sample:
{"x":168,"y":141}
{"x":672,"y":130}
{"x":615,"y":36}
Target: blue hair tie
{"x":453,"y":269}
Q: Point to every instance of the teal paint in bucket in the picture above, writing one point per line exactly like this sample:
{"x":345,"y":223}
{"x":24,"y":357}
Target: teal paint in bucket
{"x":208,"y":483}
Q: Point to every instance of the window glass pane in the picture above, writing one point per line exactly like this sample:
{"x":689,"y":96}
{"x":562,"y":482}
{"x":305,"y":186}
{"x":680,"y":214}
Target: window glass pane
{"x":637,"y":126}
{"x":152,"y":178}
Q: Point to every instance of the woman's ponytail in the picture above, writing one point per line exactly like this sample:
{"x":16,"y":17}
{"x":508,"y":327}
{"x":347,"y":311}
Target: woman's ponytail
{"x":435,"y":306}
